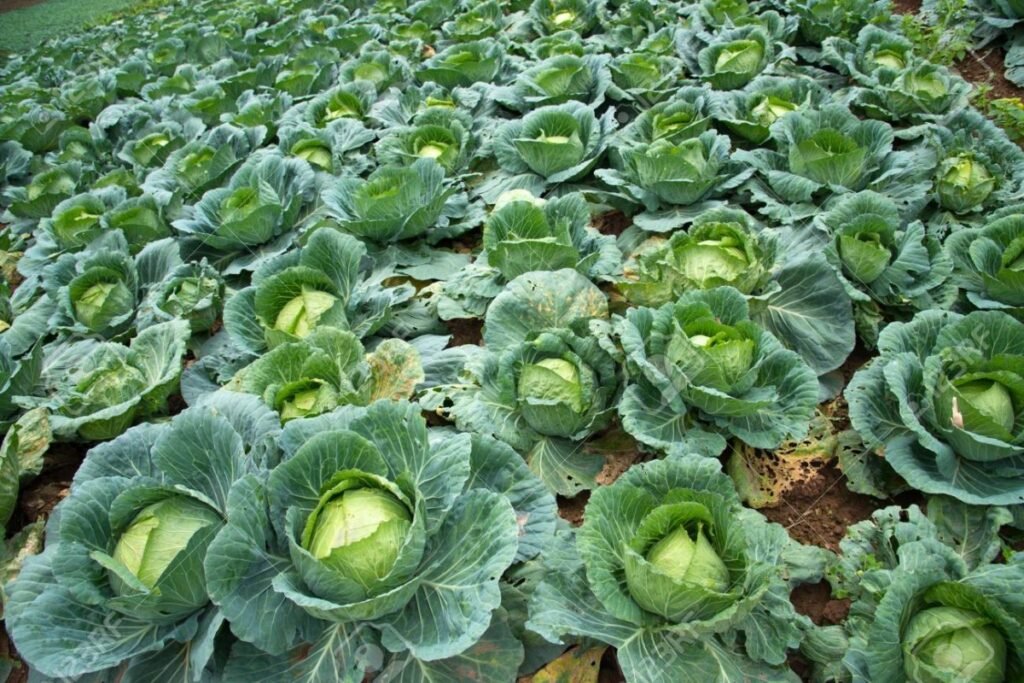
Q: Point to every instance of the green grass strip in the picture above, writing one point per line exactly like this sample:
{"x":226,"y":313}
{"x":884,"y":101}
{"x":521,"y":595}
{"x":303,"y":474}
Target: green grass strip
{"x":25,"y":28}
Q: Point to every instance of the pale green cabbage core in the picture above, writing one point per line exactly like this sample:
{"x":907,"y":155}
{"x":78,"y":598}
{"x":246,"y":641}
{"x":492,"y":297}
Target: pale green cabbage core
{"x":300,"y":316}
{"x":159,"y":533}
{"x":431,"y":151}
{"x":771,"y":109}
{"x":563,"y":18}
{"x":948,"y":643}
{"x":356,"y":515}
{"x":991,"y":399}
{"x":691,"y":558}
{"x":299,"y":404}
{"x":89,"y":306}
{"x":890,"y":59}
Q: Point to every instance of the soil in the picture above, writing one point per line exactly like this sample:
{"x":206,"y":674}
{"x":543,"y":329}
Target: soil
{"x":858,"y":359}
{"x":465,"y":331}
{"x":571,"y":509}
{"x":816,"y":601}
{"x":38,"y":498}
{"x":906,"y":6}
{"x":985,"y":67}
{"x":612,"y":223}
{"x":610,"y":672}
{"x":614,"y":466}
{"x":620,"y":452}
{"x":818,"y":507}
{"x":176,"y":404}
{"x":818,"y":511}
{"x":8,"y":5}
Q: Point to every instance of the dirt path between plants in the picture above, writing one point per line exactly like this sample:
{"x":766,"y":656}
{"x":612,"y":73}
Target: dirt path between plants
{"x":986,"y":67}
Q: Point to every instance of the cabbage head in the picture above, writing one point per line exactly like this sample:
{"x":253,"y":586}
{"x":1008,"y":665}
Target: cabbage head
{"x":945,"y":400}
{"x":678,"y":576}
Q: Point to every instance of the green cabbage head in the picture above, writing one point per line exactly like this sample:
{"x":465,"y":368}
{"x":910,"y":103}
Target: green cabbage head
{"x":738,"y":57}
{"x":964,"y":183}
{"x":192,"y":292}
{"x":674,"y":121}
{"x":101,"y":389}
{"x":301,"y":314}
{"x":394,"y":203}
{"x":702,"y":371}
{"x":750,"y":112}
{"x":949,"y":643}
{"x":558,"y":142}
{"x":559,"y":384}
{"x":554,"y":395}
{"x":159,"y":533}
{"x":525,"y":233}
{"x":673,"y":563}
{"x":133,"y":538}
{"x":359,"y":527}
{"x":979,"y":167}
{"x":669,"y":565}
{"x":676,"y":173}
{"x":720,"y":249}
{"x":385,"y":530}
{"x":827,"y":146}
{"x":964,"y":374}
{"x":329,"y":368}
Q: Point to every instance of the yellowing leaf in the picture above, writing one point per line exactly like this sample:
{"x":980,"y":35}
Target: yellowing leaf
{"x":575,"y":666}
{"x":396,"y":369}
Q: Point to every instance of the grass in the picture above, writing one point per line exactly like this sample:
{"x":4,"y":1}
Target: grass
{"x":25,"y":28}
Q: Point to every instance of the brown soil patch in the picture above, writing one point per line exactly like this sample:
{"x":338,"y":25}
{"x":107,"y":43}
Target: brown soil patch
{"x":986,"y":68}
{"x":571,"y":509}
{"x":37,"y":499}
{"x":619,"y":450}
{"x":613,"y":223}
{"x":615,"y":465}
{"x":465,"y":331}
{"x":906,"y":6}
{"x":819,"y":510}
{"x":8,"y":5}
{"x":815,"y":601}
{"x":610,"y":671}
{"x":620,"y":453}
{"x":176,"y":404}
{"x":859,"y":357}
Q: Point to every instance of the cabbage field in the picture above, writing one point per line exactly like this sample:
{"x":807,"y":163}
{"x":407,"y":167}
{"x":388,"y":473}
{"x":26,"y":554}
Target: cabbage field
{"x":588,"y":341}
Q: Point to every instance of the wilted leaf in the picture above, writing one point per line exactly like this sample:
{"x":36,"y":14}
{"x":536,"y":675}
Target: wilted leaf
{"x":34,"y":438}
{"x":763,"y":478}
{"x":396,"y":369}
{"x":575,"y":666}
{"x":24,"y":544}
{"x":21,"y":456}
